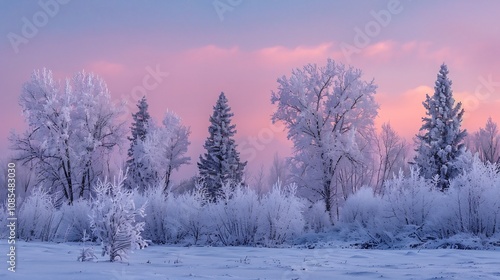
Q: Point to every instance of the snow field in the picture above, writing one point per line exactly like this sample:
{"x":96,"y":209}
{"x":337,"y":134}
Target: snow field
{"x":37,"y":260}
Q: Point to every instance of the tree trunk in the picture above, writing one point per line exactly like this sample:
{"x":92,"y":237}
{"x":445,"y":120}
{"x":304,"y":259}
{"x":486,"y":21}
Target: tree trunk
{"x":67,"y":174}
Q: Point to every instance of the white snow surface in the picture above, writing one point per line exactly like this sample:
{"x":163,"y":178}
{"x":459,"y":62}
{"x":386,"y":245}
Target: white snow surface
{"x":37,"y":260}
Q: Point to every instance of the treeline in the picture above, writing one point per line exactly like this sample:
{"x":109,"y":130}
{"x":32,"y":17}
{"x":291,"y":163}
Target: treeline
{"x":341,"y":172}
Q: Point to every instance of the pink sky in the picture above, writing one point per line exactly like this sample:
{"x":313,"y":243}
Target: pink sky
{"x":244,"y":53}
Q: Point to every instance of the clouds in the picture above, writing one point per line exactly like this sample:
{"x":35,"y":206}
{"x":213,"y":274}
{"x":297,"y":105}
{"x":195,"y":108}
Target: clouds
{"x":107,"y":68}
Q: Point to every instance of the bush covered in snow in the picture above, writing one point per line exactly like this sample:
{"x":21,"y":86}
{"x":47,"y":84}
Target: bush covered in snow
{"x":316,"y":218}
{"x":412,"y":210}
{"x":365,"y":217}
{"x":241,"y":218}
{"x":246,"y":219}
{"x":235,"y":220}
{"x":113,"y":220}
{"x":37,"y":217}
{"x":190,"y":218}
{"x":409,"y":211}
{"x":473,"y":203}
{"x":75,"y":220}
{"x":155,"y":211}
{"x":410,"y":200}
{"x":173,"y":219}
{"x":281,"y":217}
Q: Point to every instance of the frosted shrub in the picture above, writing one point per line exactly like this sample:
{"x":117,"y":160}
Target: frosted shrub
{"x":156,"y":212}
{"x":174,"y":230}
{"x":234,"y":220}
{"x":410,"y":200}
{"x":473,"y":203}
{"x":192,"y":218}
{"x":113,"y":220}
{"x":281,"y":215}
{"x":361,"y":208}
{"x":364,"y":217}
{"x":75,"y":220}
{"x":170,"y":218}
{"x":87,"y":253}
{"x":316,"y":217}
{"x":173,"y":219}
{"x":37,"y":219}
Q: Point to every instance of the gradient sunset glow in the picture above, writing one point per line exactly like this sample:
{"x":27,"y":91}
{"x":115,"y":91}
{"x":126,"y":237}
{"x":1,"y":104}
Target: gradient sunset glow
{"x":244,"y":51}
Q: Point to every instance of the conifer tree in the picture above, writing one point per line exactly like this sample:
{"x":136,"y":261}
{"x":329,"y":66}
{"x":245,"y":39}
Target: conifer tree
{"x":441,"y":143}
{"x":140,"y":173}
{"x":220,"y":165}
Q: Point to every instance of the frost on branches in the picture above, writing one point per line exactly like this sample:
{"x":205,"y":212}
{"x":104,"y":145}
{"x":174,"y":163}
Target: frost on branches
{"x":328,"y":112}
{"x":113,"y":220}
{"x":440,"y":145}
{"x":486,"y":142}
{"x":155,"y":151}
{"x":221,"y":163}
{"x":139,"y":173}
{"x":166,"y":147}
{"x":72,"y":130}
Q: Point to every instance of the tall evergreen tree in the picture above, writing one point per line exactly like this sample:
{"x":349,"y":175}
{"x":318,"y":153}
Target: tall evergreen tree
{"x":220,"y":165}
{"x":441,"y":144}
{"x":139,"y":171}
{"x":140,"y":124}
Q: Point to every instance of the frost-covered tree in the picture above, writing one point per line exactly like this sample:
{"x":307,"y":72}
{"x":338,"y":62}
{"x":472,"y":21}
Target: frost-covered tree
{"x":279,"y":171}
{"x":353,"y":174}
{"x":72,"y":130}
{"x":221,"y":162}
{"x":392,"y":151}
{"x":97,"y":128}
{"x":441,"y":143}
{"x":140,"y":174}
{"x":166,"y":147}
{"x":113,"y":220}
{"x":328,"y":112}
{"x":486,"y":142}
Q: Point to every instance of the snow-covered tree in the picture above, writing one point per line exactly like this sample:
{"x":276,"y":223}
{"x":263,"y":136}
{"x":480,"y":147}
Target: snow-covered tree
{"x":97,"y":128}
{"x":113,"y":219}
{"x":166,"y":147}
{"x":441,"y":143}
{"x":279,"y":171}
{"x":140,"y":174}
{"x":257,"y":180}
{"x":486,"y":142}
{"x":352,"y":175}
{"x":72,"y":130}
{"x":221,"y":162}
{"x":392,"y":151}
{"x":328,"y":111}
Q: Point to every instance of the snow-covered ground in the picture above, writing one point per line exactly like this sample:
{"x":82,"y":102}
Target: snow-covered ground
{"x":38,"y":260}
